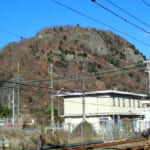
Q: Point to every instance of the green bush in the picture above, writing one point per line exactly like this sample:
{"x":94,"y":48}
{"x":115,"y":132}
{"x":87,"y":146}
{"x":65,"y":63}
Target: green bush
{"x":56,"y":116}
{"x":42,"y":50}
{"x":132,"y":46}
{"x":50,"y":59}
{"x":64,"y":37}
{"x":5,"y":112}
{"x":122,"y":55}
{"x":115,"y":62}
{"x":131,"y":75}
{"x":34,"y":48}
{"x":92,"y":67}
{"x":62,"y":63}
{"x":30,"y":99}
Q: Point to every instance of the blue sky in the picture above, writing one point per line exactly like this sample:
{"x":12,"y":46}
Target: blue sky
{"x":27,"y":17}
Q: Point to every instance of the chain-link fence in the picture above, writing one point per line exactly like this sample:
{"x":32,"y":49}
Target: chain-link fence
{"x":17,"y":138}
{"x":108,"y":130}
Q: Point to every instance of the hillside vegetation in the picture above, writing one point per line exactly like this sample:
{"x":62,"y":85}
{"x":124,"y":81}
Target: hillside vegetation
{"x":69,"y":49}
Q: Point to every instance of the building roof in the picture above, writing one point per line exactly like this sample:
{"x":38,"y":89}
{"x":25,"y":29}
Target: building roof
{"x":104,"y":92}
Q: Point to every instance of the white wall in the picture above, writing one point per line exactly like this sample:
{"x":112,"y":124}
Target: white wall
{"x":101,"y":105}
{"x":76,"y":121}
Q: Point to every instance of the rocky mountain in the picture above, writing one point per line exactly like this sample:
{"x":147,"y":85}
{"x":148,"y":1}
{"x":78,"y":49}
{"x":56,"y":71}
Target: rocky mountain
{"x":109,"y":62}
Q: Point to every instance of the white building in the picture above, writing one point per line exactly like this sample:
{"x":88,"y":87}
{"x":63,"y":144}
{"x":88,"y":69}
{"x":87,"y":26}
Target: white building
{"x":144,"y":123}
{"x":101,"y":105}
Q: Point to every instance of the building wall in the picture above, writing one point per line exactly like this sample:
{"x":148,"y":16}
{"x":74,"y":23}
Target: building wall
{"x":102,"y":105}
{"x":75,"y":121}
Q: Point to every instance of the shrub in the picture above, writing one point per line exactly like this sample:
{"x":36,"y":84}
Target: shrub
{"x":50,"y":59}
{"x":49,"y":53}
{"x":62,"y":63}
{"x":37,"y":58}
{"x":60,"y":28}
{"x":137,"y":78}
{"x":1,"y":56}
{"x":76,"y":41}
{"x":5,"y":111}
{"x":92,"y":67}
{"x":131,"y":75}
{"x":122,"y":55}
{"x":136,"y":51}
{"x":82,"y":54}
{"x":99,"y":66}
{"x":132,"y":46}
{"x":115,"y":62}
{"x":34,"y":48}
{"x":42,"y":50}
{"x":98,"y":77}
{"x":30,"y":99}
{"x":60,"y":47}
{"x":64,"y":37}
{"x":61,"y":42}
{"x":48,"y":114}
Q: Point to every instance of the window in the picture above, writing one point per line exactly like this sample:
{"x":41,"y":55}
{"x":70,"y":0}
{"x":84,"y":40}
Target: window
{"x":138,"y":104}
{"x":123,"y":102}
{"x":133,"y":103}
{"x":118,"y":101}
{"x":113,"y":101}
{"x":129,"y":102}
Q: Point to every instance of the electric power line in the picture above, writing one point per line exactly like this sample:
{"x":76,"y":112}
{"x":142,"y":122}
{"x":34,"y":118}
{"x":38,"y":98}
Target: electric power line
{"x":147,"y":4}
{"x":11,"y":33}
{"x":41,"y":87}
{"x":100,"y":73}
{"x":101,"y":23}
{"x":103,"y":75}
{"x":89,"y":103}
{"x":124,"y":19}
{"x":123,"y":10}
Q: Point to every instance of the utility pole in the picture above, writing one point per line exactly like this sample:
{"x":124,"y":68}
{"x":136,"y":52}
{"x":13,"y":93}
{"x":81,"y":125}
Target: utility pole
{"x":83,"y":92}
{"x":18,"y":79}
{"x":13,"y":101}
{"x":51,"y":87}
{"x":58,"y":106}
{"x":9,"y":101}
{"x":148,"y":71}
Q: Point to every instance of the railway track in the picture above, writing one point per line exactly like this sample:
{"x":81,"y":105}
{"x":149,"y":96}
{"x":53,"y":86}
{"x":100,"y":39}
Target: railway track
{"x":136,"y":144}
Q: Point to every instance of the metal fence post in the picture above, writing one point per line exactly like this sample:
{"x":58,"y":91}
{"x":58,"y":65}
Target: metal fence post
{"x":139,"y":127}
{"x":69,"y":133}
{"x":112,"y":129}
{"x":103,"y":132}
{"x":81,"y":134}
{"x":3,"y":139}
{"x":22,"y":139}
{"x":40,"y":138}
{"x":92,"y":134}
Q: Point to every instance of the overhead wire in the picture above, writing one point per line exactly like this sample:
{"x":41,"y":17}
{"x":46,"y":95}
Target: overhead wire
{"x":101,"y":23}
{"x":147,"y":4}
{"x":41,"y":87}
{"x":77,"y":102}
{"x":125,"y":11}
{"x":122,"y":18}
{"x":101,"y":73}
{"x":111,"y":72}
{"x":11,"y":33}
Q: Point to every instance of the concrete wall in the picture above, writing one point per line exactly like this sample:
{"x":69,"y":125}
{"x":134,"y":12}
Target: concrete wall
{"x":102,"y":105}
